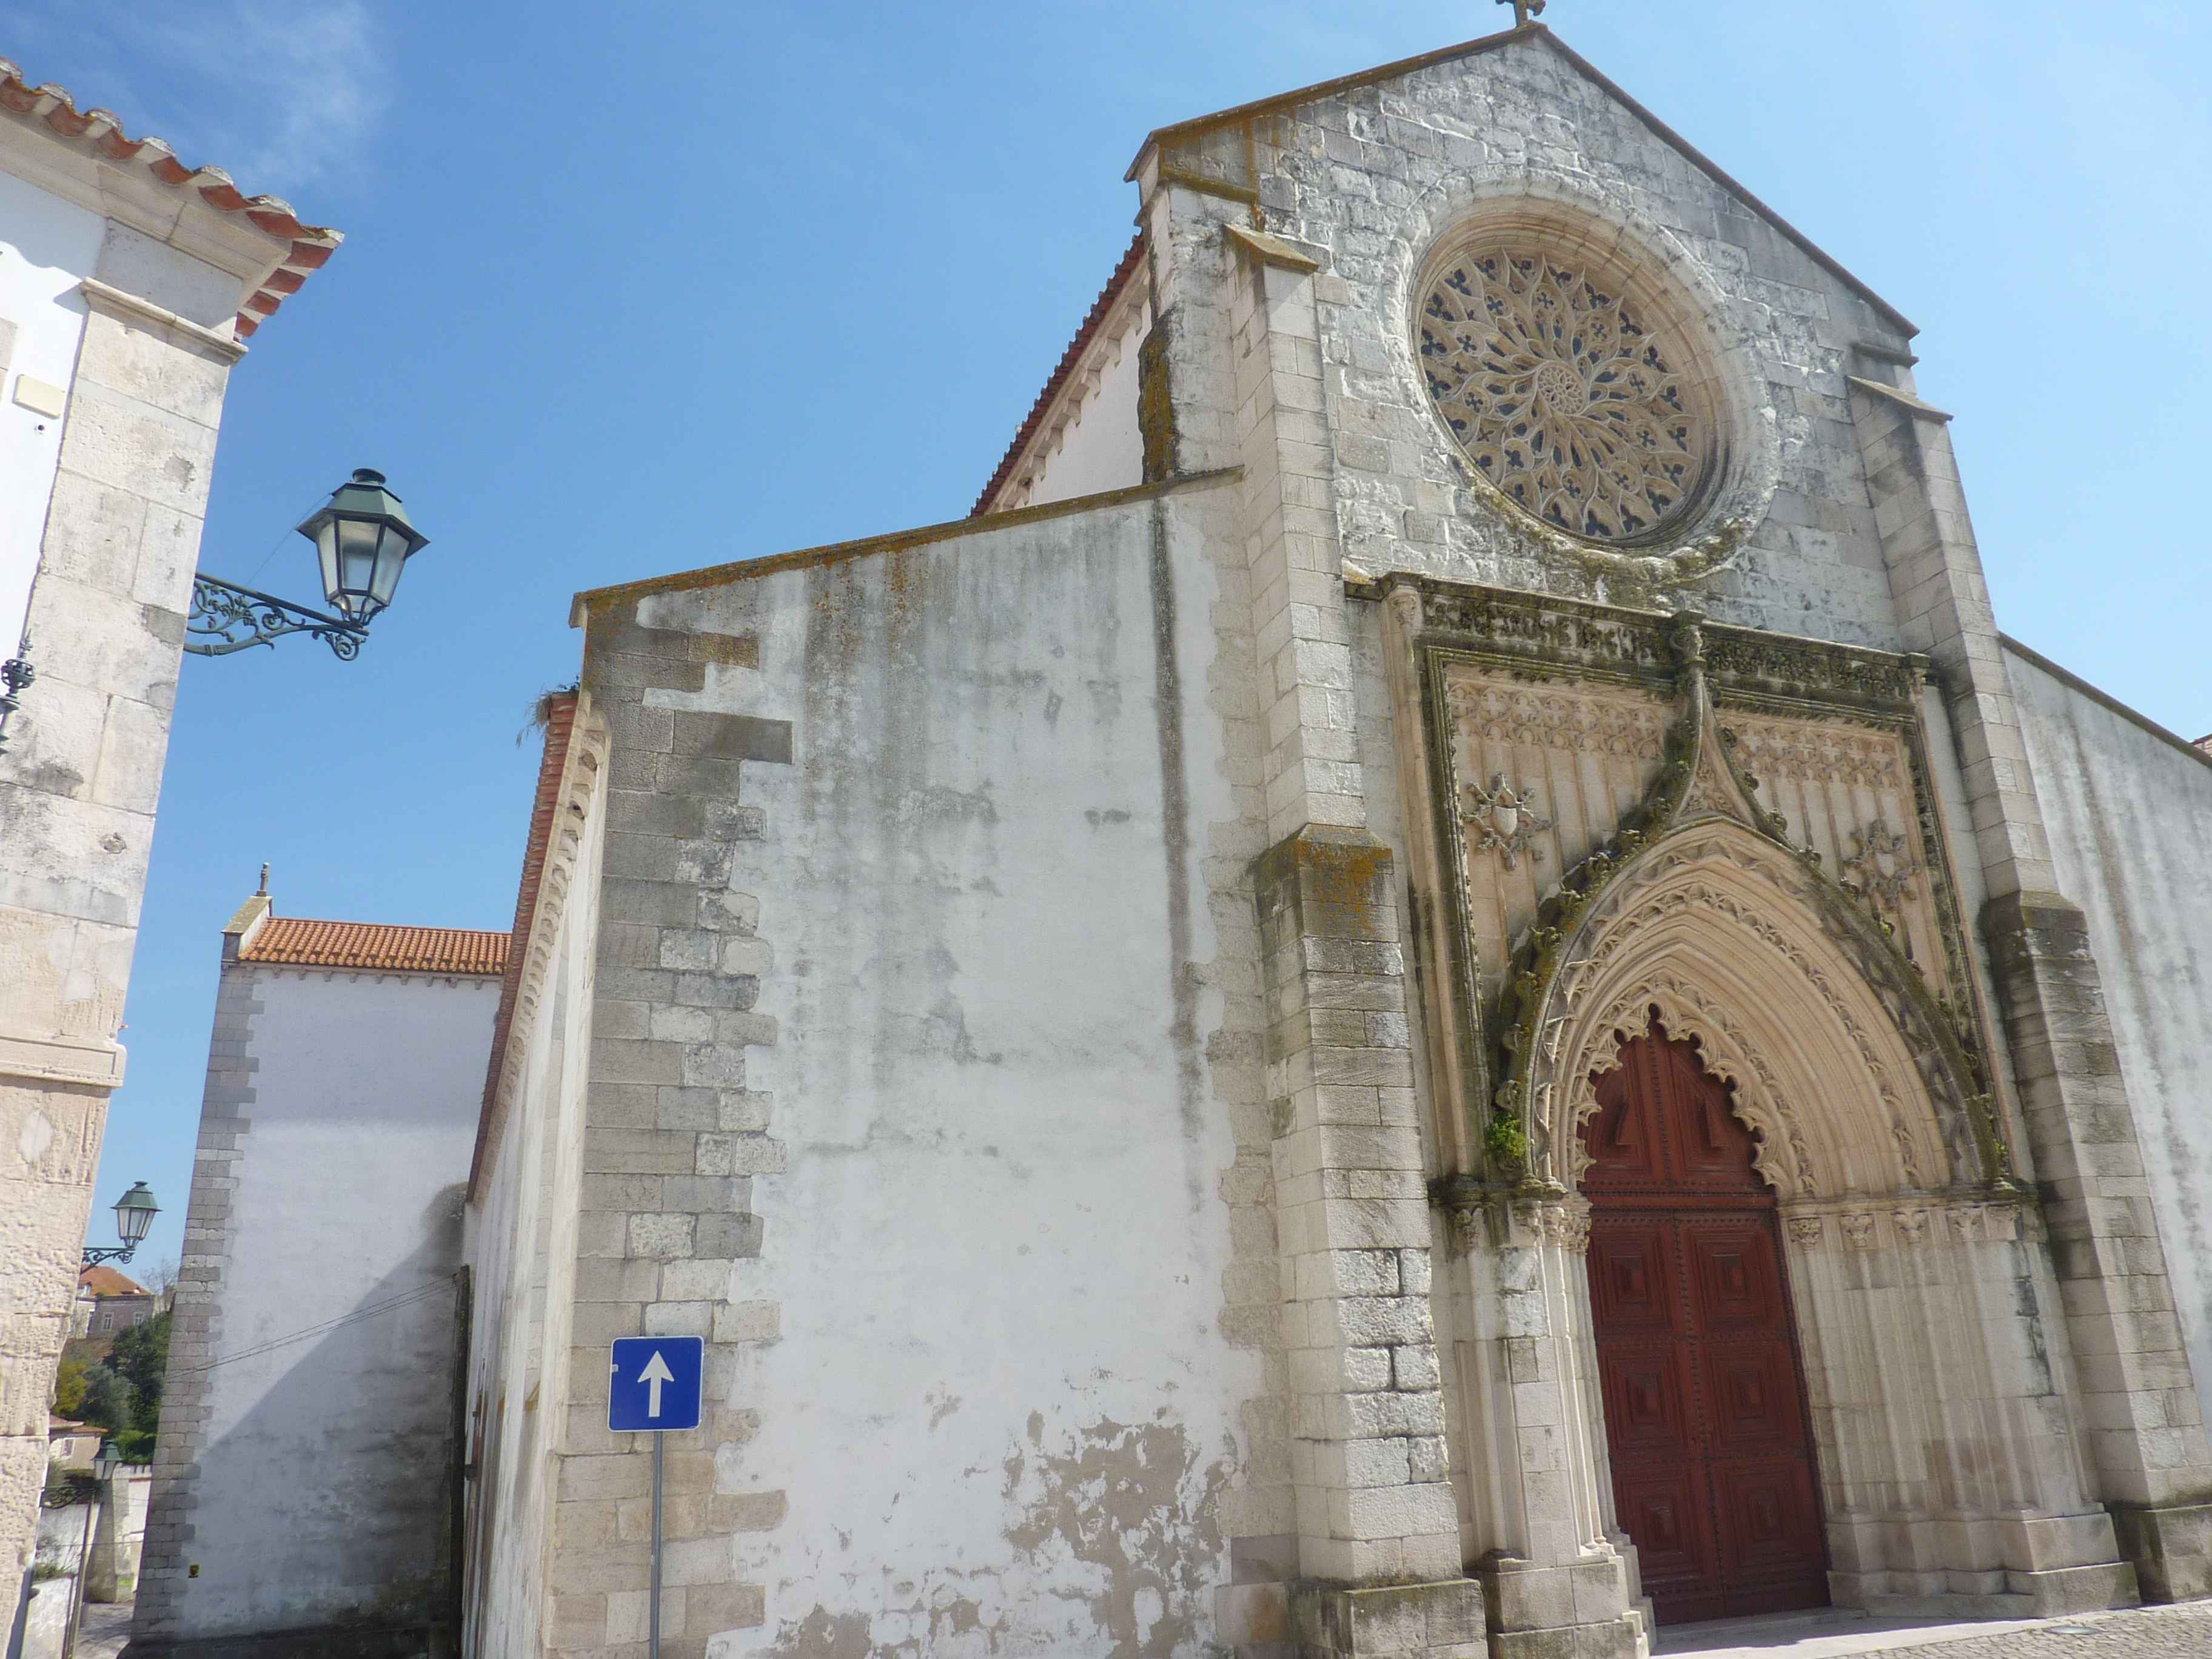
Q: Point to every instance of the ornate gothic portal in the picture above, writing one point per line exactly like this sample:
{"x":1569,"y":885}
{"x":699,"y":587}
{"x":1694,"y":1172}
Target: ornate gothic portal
{"x":1617,"y":817}
{"x":1697,"y":1352}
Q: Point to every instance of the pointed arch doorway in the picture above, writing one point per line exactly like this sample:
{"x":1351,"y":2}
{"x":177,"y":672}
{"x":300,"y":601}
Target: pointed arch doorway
{"x":1706,"y":1414}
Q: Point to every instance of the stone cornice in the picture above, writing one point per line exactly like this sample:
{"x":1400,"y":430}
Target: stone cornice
{"x":582,"y":768}
{"x":62,"y":1061}
{"x":130,"y":308}
{"x":991,"y":524}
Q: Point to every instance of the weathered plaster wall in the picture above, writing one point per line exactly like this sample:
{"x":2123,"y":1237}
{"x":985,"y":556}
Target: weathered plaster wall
{"x":305,"y":1474}
{"x":973,"y":888}
{"x":2129,"y":820}
{"x":989,"y":1345}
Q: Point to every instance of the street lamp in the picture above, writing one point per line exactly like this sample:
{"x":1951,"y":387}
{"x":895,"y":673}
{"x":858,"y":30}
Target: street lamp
{"x":104,"y":1461}
{"x":362,"y":540}
{"x":134,"y":1214}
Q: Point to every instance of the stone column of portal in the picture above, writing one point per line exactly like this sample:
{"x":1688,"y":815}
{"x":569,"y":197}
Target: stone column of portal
{"x":1234,"y":376}
{"x":2153,"y":1464}
{"x":1556,"y":1571}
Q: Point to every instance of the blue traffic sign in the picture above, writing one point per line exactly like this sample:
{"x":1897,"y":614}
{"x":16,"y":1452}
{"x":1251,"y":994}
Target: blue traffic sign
{"x":655,"y":1382}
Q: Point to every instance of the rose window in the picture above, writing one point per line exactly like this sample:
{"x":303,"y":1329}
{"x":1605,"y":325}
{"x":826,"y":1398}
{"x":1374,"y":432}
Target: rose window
{"x":1564,"y":397}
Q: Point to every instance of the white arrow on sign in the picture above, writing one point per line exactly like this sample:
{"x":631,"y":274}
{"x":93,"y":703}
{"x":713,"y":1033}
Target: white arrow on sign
{"x":655,"y":1373}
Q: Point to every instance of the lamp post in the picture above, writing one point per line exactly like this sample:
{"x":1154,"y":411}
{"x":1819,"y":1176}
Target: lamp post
{"x":134,"y":1215}
{"x":362,"y":540}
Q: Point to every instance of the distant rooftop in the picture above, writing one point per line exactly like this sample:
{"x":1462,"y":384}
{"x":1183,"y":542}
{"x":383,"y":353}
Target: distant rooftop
{"x":105,"y":1281}
{"x":373,"y":944}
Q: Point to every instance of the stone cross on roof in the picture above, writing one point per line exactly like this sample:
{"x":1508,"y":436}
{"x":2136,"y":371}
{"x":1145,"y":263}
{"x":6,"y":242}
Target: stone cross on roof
{"x":1523,"y":10}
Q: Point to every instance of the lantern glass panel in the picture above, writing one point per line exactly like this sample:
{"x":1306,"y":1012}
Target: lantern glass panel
{"x":391,"y":559}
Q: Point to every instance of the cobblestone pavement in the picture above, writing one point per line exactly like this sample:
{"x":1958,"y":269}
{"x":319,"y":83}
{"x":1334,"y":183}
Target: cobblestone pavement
{"x":2173,"y":1632}
{"x":105,"y":1628}
{"x":2141,"y":1633}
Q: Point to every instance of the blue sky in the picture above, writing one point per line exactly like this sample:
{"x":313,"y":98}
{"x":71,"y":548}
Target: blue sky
{"x":635,"y":289}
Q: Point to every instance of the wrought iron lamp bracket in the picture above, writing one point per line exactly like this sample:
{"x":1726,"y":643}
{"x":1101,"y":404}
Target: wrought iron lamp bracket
{"x":96,"y":1254}
{"x":225,"y":617}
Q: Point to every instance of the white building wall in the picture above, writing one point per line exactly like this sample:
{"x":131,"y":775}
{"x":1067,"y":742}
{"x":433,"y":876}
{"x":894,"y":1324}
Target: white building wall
{"x":47,"y":246}
{"x":522,"y":1249}
{"x":320,"y":1487}
{"x":2130,"y":818}
{"x":1099,"y":446}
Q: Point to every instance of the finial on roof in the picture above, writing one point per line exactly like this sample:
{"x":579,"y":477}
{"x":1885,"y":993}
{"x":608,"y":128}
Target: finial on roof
{"x":1523,"y":11}
{"x":262,"y":891}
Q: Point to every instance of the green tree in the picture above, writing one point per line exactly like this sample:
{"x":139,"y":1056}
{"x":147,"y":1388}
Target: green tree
{"x":141,"y":1356}
{"x":108,"y":1402}
{"x":68,"y":1389}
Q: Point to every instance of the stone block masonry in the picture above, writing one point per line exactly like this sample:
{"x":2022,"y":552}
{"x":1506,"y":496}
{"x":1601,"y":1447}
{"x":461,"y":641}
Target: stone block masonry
{"x":673,"y":1142}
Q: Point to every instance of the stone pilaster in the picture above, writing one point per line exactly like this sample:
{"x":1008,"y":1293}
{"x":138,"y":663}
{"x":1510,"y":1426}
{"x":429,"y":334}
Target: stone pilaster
{"x":1560,"y":1575}
{"x":1374,"y":1493}
{"x":2152,"y":1462}
{"x":2147,"y":1436}
{"x":78,"y":786}
{"x":1303,"y":636}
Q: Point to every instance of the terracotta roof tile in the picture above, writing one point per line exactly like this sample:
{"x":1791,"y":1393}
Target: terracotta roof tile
{"x":99,"y":132}
{"x":105,"y":1281}
{"x":375,"y":944}
{"x":1068,"y":359}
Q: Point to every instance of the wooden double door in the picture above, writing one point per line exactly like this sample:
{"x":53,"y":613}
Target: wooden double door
{"x":1704,"y":1399}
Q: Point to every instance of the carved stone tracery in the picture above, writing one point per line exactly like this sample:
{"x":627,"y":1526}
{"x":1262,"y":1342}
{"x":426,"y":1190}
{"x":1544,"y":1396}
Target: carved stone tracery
{"x":1564,"y":395}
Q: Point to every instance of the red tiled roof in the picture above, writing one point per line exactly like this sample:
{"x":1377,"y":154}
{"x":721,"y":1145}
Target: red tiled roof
{"x":560,"y":707}
{"x":105,"y":1281}
{"x":375,"y":944}
{"x":1068,"y":359}
{"x":97,"y":131}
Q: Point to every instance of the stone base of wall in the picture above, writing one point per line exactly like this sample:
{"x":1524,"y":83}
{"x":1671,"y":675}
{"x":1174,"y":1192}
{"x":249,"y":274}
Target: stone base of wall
{"x":1996,"y":1595}
{"x":2170,"y":1547}
{"x":328,"y":1642}
{"x":1441,"y":1620}
{"x":1590,"y":1610}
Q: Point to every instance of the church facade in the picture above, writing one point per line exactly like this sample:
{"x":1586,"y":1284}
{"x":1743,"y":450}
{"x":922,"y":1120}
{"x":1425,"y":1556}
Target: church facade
{"x":1437,"y":990}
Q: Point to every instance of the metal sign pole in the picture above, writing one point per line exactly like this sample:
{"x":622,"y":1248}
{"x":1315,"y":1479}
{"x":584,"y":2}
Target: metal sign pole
{"x":652,"y":1616}
{"x":654,"y":1384}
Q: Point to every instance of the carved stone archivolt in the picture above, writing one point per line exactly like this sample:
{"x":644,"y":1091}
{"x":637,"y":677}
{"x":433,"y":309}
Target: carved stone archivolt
{"x":1710,"y":787}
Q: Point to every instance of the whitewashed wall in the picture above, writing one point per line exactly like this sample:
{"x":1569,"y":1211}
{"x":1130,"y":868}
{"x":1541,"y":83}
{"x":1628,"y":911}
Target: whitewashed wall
{"x":1100,"y":447}
{"x":47,"y":246}
{"x":2129,"y":816}
{"x":1000,"y":1394}
{"x":321,"y":1487}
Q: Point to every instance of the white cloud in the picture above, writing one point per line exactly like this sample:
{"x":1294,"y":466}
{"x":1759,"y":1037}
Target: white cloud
{"x":279,"y":94}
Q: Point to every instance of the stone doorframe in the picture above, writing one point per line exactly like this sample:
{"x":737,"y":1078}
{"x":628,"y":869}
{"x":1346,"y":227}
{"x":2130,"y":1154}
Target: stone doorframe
{"x":1949,"y":1422}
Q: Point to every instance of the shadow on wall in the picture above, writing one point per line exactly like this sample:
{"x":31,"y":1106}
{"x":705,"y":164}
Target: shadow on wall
{"x":328,"y":1504}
